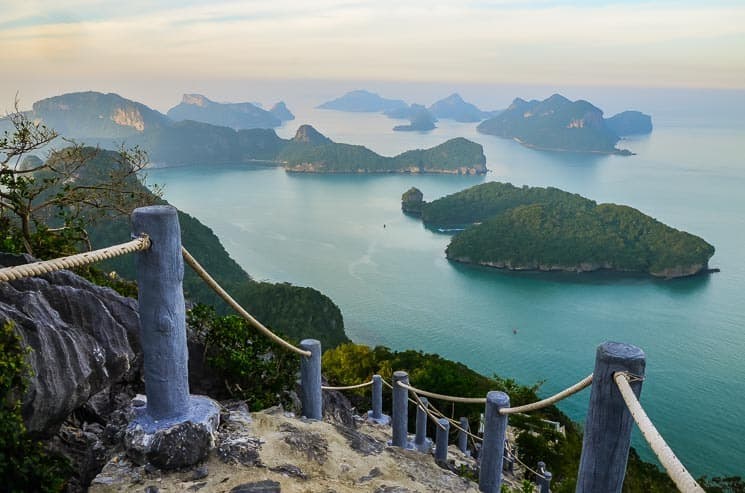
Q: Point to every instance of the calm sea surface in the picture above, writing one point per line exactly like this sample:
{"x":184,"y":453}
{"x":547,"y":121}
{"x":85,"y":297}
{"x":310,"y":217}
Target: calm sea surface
{"x":395,"y":287}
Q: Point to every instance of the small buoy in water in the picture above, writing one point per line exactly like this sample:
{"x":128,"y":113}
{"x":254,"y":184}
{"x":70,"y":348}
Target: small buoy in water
{"x":514,"y":331}
{"x":383,"y":225}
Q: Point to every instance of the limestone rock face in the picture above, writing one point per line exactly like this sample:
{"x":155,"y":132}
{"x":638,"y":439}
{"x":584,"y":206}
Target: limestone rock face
{"x":84,"y":340}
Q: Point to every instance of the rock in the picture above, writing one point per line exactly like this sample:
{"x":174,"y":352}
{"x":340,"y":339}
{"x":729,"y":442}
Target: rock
{"x":266,"y":486}
{"x":236,"y":443}
{"x":412,"y":201}
{"x":374,"y":473}
{"x":289,"y":470}
{"x":313,"y":444}
{"x":84,"y":340}
{"x":337,"y":408}
{"x":152,"y":489}
{"x":174,"y":444}
{"x":360,"y":442}
{"x":200,"y":472}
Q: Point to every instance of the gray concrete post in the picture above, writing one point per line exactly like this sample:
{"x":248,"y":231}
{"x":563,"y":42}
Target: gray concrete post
{"x":605,"y":446}
{"x":545,"y":483}
{"x":377,"y":397}
{"x":310,"y":380}
{"x":375,"y":415}
{"x":400,"y":414}
{"x":492,"y":449}
{"x":421,"y":423}
{"x":160,"y":272}
{"x":462,"y":436}
{"x":441,"y":440}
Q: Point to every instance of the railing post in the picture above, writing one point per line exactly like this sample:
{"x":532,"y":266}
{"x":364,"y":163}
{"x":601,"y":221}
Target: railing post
{"x":160,"y":273}
{"x":441,"y":442}
{"x":544,"y":480}
{"x":492,"y":449}
{"x":463,"y":436}
{"x":310,"y":379}
{"x":421,"y":442}
{"x":400,"y":414}
{"x":376,"y":414}
{"x":605,"y":447}
{"x":173,"y":429}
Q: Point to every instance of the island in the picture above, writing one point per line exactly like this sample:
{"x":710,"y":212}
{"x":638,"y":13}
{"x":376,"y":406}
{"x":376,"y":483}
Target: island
{"x":630,"y":123}
{"x":361,"y":101}
{"x":311,"y":152}
{"x":555,"y":124}
{"x":281,"y":111}
{"x":547,"y":229}
{"x":108,"y":120}
{"x":422,"y":120}
{"x":234,"y":115}
{"x":455,"y":108}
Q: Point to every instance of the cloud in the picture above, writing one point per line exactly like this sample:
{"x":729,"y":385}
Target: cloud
{"x":506,"y":41}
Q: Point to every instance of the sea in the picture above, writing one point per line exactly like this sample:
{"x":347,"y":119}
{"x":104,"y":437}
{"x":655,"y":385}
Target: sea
{"x":346,"y":236}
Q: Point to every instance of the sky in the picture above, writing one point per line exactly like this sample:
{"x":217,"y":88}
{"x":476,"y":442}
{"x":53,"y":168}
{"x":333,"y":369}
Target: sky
{"x":49,"y":47}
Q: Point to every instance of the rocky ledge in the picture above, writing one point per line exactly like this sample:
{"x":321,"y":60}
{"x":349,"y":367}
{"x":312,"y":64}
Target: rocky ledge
{"x":272,"y":451}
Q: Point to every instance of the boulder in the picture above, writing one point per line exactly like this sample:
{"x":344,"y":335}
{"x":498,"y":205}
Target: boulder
{"x":83,"y":340}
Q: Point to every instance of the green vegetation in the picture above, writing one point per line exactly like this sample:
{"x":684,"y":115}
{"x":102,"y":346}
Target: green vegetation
{"x":480,"y":202}
{"x":330,"y":157}
{"x":554,"y":124}
{"x":252,"y":367}
{"x":533,"y":228}
{"x":24,"y":464}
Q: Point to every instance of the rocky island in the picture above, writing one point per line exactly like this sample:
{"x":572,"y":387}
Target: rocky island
{"x":558,"y":124}
{"x":361,"y":101}
{"x":311,"y":152}
{"x":235,"y":115}
{"x":547,"y":229}
{"x":421,"y":119}
{"x":455,"y":108}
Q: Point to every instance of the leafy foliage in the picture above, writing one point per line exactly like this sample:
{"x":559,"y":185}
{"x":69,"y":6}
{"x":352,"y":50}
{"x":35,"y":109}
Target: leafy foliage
{"x":24,"y":464}
{"x":253,"y":367}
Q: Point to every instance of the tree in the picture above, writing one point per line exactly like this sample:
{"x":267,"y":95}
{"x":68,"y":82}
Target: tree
{"x":46,"y":205}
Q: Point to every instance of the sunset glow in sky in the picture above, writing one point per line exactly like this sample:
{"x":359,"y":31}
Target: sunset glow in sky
{"x":624,"y":43}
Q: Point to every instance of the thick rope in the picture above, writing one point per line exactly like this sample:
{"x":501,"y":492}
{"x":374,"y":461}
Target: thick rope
{"x":421,"y":405}
{"x":675,"y":469}
{"x":347,"y":387}
{"x":46,"y":266}
{"x":432,"y":395}
{"x":230,"y":301}
{"x":585,"y":382}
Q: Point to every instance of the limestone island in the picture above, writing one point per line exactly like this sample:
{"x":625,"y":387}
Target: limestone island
{"x":311,"y":152}
{"x":547,"y":229}
{"x":422,"y":120}
{"x":558,"y":124}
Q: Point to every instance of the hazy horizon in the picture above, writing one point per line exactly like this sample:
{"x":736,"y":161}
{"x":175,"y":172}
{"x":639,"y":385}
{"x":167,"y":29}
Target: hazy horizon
{"x":154,"y":52}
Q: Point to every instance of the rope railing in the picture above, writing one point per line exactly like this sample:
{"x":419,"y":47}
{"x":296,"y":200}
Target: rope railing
{"x":582,"y":384}
{"x":675,"y":469}
{"x":347,"y":387}
{"x":429,"y":413}
{"x":13,"y":273}
{"x":210,"y":281}
{"x":450,"y":398}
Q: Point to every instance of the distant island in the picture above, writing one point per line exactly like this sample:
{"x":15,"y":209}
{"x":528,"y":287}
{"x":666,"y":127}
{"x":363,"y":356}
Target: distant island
{"x":452,"y":107}
{"x":455,"y":108}
{"x":547,"y":229}
{"x":235,"y":115}
{"x":558,"y":124}
{"x":420,"y":117}
{"x":362,"y":101}
{"x":311,"y":152}
{"x":109,"y":119}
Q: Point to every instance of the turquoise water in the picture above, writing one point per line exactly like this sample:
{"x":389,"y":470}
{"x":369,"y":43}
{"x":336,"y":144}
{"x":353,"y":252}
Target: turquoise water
{"x":395,"y":287}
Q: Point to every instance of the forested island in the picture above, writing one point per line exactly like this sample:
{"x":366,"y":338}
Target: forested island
{"x":235,"y":115}
{"x":547,"y":229}
{"x":558,"y":124}
{"x":109,"y":119}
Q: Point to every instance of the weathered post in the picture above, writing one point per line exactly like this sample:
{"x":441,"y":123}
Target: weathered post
{"x":310,"y":379}
{"x":376,"y":413}
{"x":421,"y":442}
{"x":400,"y":414}
{"x":605,"y":447}
{"x":441,"y":442}
{"x":172,"y":429}
{"x":545,"y":484}
{"x":463,"y":435}
{"x":492,"y":449}
{"x":544,"y":480}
